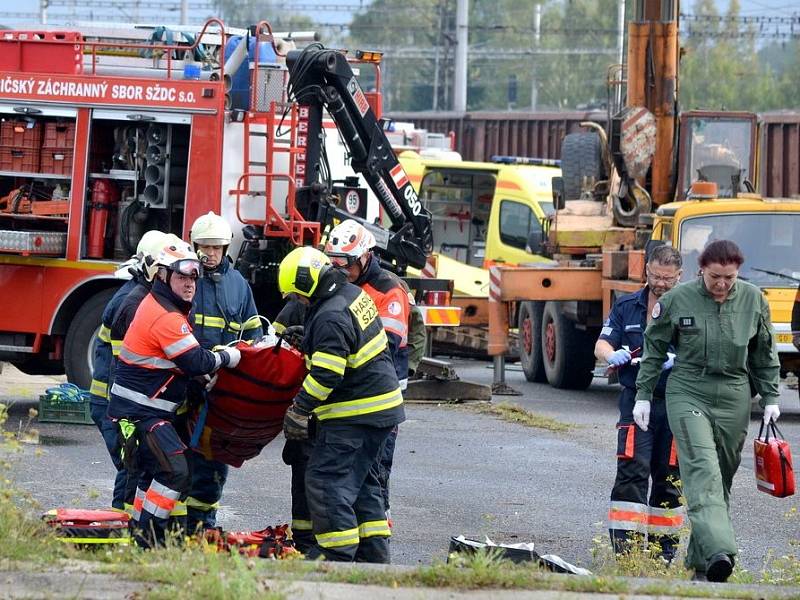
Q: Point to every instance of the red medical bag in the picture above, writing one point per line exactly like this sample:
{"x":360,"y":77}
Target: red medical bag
{"x":773,"y":462}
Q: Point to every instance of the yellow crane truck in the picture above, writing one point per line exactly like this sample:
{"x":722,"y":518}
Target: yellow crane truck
{"x":655,"y":176}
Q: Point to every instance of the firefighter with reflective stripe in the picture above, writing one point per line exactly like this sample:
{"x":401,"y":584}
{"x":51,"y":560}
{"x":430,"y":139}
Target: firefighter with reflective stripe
{"x":646,"y":452}
{"x":106,"y":347}
{"x":224,"y":311}
{"x":353,"y":394}
{"x":350,"y":248}
{"x":158,"y":355}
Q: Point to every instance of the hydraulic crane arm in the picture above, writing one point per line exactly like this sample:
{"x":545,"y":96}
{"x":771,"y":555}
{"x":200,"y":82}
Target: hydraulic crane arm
{"x":320,"y":77}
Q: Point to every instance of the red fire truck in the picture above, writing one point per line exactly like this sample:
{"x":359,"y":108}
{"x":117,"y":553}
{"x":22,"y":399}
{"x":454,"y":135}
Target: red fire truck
{"x":105,"y":134}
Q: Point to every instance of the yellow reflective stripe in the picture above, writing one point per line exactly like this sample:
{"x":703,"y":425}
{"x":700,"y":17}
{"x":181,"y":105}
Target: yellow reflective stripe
{"x":334,"y":539}
{"x":279,"y":327}
{"x":104,"y":335}
{"x":331,"y":362}
{"x":368,"y":351}
{"x":253,"y":322}
{"x":179,"y":510}
{"x":315,"y":388}
{"x":361,"y":406}
{"x":77,"y":540}
{"x":116,"y":346}
{"x":371,"y":528}
{"x":209,"y":321}
{"x":99,"y":388}
{"x":193,"y":502}
{"x":301,"y":524}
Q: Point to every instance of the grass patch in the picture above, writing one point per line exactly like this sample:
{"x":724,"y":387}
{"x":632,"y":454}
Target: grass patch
{"x":516,"y":414}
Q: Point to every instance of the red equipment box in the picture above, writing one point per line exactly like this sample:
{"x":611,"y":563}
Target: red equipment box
{"x":25,"y":160}
{"x":48,"y":52}
{"x":20,"y":134}
{"x":59,"y":134}
{"x":57,"y":161}
{"x":773,"y":462}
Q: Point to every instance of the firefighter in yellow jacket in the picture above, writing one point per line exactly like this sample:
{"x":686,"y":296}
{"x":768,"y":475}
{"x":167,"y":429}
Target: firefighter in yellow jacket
{"x":353,"y":394}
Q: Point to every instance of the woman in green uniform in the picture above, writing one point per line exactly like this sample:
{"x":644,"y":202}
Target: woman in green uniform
{"x":722,"y":334}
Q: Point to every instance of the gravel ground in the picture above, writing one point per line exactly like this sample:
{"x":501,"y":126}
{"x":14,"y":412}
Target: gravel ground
{"x":456,"y":472}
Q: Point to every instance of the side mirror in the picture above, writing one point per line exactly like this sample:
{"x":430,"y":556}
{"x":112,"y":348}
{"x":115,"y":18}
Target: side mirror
{"x":559,"y":193}
{"x":535,"y":241}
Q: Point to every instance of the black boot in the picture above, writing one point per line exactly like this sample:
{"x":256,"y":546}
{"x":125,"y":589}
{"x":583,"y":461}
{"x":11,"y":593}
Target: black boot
{"x":719,"y":567}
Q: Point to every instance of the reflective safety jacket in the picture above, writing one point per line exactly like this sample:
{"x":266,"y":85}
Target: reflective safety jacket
{"x":390,"y":296}
{"x":158,"y":355}
{"x":351,"y":374}
{"x":224,"y":307}
{"x":104,"y":346}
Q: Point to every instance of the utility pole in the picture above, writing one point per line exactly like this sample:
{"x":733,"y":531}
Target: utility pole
{"x":436,"y":61}
{"x":184,"y":12}
{"x":462,"y":39}
{"x":537,"y":38}
{"x":43,"y":11}
{"x":620,"y":46}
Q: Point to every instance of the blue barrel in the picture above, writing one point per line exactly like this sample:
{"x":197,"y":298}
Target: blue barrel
{"x":240,"y":80}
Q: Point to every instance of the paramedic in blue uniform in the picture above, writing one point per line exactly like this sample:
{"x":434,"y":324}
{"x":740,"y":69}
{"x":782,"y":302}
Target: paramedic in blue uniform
{"x":645,"y":451}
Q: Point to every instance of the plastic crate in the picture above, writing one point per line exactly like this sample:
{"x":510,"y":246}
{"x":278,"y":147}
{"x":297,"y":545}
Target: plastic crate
{"x":24,"y":161}
{"x":52,"y":409}
{"x":20,"y":134}
{"x":57,"y":161}
{"x":59,"y":134}
{"x":48,"y":52}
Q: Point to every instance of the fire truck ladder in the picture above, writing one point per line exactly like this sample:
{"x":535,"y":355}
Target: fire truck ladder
{"x":279,"y":118}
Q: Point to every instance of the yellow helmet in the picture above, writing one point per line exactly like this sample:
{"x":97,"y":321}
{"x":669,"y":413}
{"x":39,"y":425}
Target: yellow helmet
{"x":301,"y":270}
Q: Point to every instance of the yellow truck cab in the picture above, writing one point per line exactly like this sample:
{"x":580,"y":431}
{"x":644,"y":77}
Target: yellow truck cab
{"x":767,"y":231}
{"x":483,"y":211}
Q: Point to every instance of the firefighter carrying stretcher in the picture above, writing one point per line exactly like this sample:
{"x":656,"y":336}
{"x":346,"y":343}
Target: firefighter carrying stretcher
{"x":158,"y":355}
{"x":353,"y":395}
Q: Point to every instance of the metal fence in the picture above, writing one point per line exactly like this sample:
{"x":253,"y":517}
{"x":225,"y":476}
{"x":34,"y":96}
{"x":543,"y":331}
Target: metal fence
{"x":481,"y":135}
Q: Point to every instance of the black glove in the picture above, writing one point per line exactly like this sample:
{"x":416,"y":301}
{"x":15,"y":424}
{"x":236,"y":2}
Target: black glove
{"x":293,"y":335}
{"x":295,"y":423}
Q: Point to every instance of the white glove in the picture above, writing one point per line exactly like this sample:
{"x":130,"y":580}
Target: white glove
{"x":619,"y":357}
{"x":670,"y":362}
{"x":641,"y":414}
{"x":234,"y":356}
{"x":211,"y":381}
{"x":771,"y":412}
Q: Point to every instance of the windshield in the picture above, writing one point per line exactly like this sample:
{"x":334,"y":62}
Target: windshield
{"x":768,"y":242}
{"x":547,"y":208}
{"x":718,"y":150}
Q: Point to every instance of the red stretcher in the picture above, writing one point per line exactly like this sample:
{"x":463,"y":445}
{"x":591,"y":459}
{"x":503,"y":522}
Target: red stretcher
{"x":246,"y":406}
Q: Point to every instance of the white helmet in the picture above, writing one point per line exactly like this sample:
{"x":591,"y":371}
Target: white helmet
{"x":349,"y":240}
{"x":151,"y":244}
{"x":211,"y":230}
{"x":147,"y":249}
{"x":178,"y":256}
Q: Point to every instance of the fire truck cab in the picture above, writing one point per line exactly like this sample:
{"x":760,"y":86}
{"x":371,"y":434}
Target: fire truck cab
{"x":105,"y":134}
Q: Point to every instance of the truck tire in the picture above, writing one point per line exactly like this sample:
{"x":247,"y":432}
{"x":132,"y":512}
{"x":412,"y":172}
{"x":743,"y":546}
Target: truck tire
{"x":529,"y":323}
{"x":79,"y":343}
{"x":567,"y":352}
{"x":581,"y":156}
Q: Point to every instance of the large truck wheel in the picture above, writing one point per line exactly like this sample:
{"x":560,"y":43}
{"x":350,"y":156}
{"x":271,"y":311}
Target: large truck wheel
{"x":529,"y":323}
{"x":79,"y":345}
{"x":568,"y":352}
{"x":581,"y":157}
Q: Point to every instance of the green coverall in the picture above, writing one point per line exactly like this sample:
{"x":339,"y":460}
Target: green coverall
{"x":717,"y":345}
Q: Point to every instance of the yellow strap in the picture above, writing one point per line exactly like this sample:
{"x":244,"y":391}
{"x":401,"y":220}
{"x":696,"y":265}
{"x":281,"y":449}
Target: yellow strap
{"x":193,"y":502}
{"x":301,"y":525}
{"x":77,"y":540}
